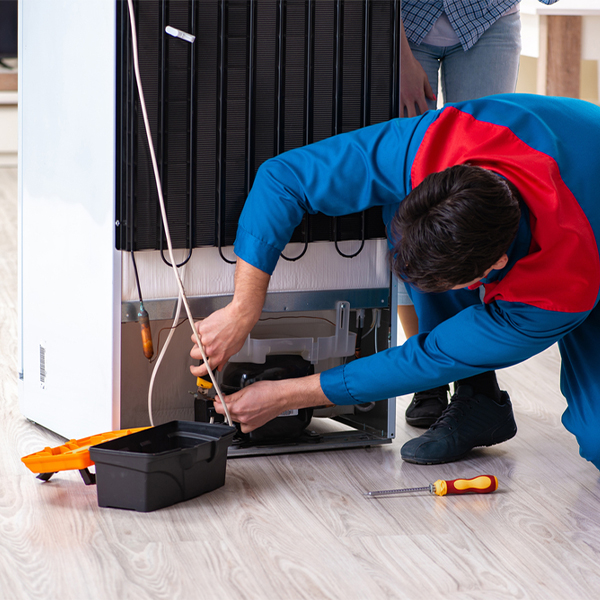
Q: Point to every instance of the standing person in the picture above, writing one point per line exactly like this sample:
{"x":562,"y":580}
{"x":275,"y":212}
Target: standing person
{"x":499,"y":192}
{"x":472,"y":47}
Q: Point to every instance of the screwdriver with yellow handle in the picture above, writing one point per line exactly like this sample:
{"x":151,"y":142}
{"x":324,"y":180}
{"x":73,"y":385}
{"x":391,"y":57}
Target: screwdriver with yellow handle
{"x":482,"y":484}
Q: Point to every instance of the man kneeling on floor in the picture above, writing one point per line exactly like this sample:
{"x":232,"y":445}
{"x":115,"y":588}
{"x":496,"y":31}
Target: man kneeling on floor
{"x":493,"y":221}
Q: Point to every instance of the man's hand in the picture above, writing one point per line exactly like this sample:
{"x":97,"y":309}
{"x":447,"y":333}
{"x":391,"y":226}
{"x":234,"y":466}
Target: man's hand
{"x":224,"y":332}
{"x":415,"y":88}
{"x":414,"y":84}
{"x":262,"y":401}
{"x":222,"y":335}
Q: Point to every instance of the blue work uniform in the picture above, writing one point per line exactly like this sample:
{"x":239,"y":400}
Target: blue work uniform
{"x":549,"y":290}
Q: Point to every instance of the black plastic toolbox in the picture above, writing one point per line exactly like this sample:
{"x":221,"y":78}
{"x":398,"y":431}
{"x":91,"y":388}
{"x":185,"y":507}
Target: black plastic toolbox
{"x":162,"y":465}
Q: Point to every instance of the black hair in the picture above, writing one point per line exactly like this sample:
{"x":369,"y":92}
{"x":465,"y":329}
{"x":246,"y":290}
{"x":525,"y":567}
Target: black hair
{"x":453,"y":226}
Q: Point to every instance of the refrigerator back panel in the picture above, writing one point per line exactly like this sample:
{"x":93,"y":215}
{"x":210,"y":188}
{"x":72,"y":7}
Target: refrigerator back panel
{"x":261,"y":77}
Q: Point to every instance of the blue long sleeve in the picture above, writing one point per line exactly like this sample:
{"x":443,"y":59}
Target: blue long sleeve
{"x":478,"y":339}
{"x":341,"y":175}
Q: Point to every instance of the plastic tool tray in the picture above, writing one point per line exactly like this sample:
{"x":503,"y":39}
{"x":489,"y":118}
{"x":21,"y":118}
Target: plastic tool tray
{"x":162,"y":465}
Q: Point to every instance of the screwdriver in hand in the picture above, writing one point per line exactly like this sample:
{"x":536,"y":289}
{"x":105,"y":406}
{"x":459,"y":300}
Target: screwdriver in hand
{"x":482,"y":484}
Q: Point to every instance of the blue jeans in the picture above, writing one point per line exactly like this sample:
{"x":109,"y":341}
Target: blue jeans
{"x":489,"y":67}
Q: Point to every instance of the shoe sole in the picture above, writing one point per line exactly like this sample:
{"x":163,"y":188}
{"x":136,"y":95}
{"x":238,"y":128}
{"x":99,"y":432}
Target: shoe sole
{"x":416,"y":461}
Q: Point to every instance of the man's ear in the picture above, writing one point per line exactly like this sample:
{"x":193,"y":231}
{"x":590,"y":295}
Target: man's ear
{"x":500,"y":263}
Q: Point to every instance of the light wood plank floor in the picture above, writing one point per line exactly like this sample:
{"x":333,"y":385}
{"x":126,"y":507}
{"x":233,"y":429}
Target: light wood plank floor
{"x":298,"y":526}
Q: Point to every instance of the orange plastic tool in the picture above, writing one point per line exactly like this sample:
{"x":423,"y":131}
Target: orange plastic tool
{"x":74,"y":454}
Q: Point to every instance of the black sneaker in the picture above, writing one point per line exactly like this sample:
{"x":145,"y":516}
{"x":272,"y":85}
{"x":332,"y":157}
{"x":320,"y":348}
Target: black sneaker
{"x":427,"y":407}
{"x":471,"y":420}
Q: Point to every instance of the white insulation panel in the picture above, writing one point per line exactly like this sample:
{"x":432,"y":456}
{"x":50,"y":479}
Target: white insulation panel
{"x":207,"y":274}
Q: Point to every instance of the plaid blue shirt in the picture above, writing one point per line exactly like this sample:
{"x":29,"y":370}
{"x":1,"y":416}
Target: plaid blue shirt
{"x":469,"y":19}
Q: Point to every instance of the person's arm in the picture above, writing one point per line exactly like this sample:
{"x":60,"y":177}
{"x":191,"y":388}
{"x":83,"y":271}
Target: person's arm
{"x":224,"y":332}
{"x":479,"y":338}
{"x":415,"y":89}
{"x":341,"y":175}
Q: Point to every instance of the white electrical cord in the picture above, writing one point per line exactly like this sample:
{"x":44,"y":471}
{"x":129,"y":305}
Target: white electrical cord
{"x":163,"y":211}
{"x":161,"y":356}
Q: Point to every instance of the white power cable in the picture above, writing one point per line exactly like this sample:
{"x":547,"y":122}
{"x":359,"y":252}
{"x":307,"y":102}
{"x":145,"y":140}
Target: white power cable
{"x":160,"y":358}
{"x":163,"y":211}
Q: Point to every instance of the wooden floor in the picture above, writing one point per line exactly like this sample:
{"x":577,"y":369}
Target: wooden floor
{"x":298,"y":526}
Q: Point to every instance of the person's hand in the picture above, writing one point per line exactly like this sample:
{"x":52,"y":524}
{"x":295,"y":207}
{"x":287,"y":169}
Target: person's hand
{"x":254,"y":405}
{"x":262,"y":401}
{"x":414,"y":87}
{"x":222,"y":334}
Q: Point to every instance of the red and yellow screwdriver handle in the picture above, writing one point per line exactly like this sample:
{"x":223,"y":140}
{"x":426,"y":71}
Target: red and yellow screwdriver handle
{"x":482,"y":484}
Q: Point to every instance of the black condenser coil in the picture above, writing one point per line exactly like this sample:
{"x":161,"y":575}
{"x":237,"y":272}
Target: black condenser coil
{"x":261,"y":77}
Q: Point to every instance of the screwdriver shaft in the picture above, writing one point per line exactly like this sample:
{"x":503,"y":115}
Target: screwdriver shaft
{"x":402,"y":491}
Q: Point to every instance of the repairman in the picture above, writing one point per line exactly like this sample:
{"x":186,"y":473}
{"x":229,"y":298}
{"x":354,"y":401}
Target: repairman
{"x":493,"y":218}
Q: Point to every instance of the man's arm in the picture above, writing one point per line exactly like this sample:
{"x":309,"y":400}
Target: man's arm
{"x":341,"y":175}
{"x":479,"y":338}
{"x":224,"y":332}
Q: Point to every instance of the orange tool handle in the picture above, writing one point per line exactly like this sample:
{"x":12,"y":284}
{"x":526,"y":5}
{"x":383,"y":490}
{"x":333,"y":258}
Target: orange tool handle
{"x":203,"y":384}
{"x":482,"y":484}
{"x":147,"y":345}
